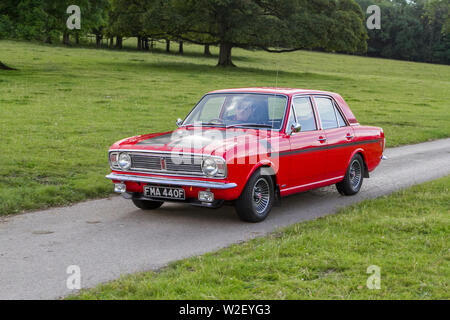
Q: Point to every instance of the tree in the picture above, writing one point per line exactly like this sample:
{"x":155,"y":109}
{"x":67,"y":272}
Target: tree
{"x":271,"y":25}
{"x":127,"y":20}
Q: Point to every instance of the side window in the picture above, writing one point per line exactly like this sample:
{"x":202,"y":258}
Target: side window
{"x":340,"y":119}
{"x":327,"y":115}
{"x":305,"y":114}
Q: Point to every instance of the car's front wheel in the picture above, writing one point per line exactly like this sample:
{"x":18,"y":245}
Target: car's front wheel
{"x":353,"y":177}
{"x":147,"y":204}
{"x":256,"y":199}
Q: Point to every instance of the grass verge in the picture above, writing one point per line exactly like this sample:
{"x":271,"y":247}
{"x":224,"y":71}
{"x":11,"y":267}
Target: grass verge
{"x":406,"y":234}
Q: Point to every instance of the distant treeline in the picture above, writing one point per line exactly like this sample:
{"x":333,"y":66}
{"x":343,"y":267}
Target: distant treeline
{"x":416,"y":30}
{"x":411,"y":30}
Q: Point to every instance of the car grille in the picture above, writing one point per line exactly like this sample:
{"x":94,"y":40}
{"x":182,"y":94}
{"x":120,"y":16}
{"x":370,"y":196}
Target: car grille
{"x":168,"y":164}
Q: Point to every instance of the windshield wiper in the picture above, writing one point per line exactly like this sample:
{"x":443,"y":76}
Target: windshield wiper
{"x":250,"y":125}
{"x":212,"y":124}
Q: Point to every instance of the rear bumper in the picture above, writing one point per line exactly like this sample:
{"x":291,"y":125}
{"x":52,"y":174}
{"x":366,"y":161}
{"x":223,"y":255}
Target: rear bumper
{"x":172,"y":182}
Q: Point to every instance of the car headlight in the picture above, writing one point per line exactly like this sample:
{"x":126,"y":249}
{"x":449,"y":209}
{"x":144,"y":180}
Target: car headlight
{"x":124,"y":161}
{"x":214,"y":167}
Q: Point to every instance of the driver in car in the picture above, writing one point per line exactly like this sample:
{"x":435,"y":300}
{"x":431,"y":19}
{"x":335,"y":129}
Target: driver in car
{"x":244,"y":111}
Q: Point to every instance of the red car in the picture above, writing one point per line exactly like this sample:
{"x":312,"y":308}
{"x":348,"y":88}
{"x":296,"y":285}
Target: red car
{"x":249,"y":147}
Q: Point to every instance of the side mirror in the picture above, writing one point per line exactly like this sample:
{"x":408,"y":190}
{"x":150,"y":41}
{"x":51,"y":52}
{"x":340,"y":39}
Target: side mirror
{"x":179,"y":122}
{"x":295,"y":128}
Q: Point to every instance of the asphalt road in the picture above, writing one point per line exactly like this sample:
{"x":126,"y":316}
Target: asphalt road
{"x":108,"y":238}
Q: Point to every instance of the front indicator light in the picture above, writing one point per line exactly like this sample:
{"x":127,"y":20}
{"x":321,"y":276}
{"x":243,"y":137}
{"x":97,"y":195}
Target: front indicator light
{"x":120,"y":188}
{"x":114,"y":160}
{"x":206,"y":196}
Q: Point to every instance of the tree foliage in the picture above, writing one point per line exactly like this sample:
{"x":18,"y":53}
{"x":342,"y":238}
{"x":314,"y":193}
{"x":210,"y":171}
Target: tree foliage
{"x":271,"y":25}
{"x":416,"y":30}
{"x":411,"y":30}
{"x":45,"y":20}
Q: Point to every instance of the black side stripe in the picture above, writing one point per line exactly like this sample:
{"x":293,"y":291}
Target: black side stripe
{"x":314,"y":149}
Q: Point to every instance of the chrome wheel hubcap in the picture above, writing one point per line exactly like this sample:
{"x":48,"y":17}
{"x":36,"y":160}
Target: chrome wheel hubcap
{"x":355,"y":174}
{"x":261,"y":196}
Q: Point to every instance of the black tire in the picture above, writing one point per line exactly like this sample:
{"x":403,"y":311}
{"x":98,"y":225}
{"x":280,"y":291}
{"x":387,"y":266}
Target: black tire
{"x":257,"y":198}
{"x":354,"y":177}
{"x":147,"y":204}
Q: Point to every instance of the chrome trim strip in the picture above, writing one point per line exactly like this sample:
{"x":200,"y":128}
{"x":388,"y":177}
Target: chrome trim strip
{"x":311,"y":184}
{"x":172,"y":182}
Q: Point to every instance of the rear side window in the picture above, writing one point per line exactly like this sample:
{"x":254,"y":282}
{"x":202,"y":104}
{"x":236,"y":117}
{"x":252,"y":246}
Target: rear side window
{"x":340,"y":118}
{"x":327,"y":113}
{"x":305,"y":115}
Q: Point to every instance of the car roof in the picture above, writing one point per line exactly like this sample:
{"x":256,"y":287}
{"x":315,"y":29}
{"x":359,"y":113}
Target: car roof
{"x":272,"y":90}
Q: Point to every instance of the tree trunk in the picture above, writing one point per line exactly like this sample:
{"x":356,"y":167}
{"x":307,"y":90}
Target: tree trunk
{"x":111,"y":42}
{"x":207,"y":52}
{"x":5,"y":67}
{"x":167,"y":45}
{"x":225,"y":55}
{"x":139,"y":43}
{"x":145,"y":45}
{"x":181,"y":49}
{"x":66,"y":39}
{"x":152,"y":44}
{"x":98,"y":40}
{"x":119,"y":42}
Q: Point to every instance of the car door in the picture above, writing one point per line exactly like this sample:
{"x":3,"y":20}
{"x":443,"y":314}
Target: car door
{"x":339,"y":135}
{"x":306,"y":157}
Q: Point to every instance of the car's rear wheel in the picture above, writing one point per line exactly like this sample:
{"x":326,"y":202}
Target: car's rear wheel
{"x":257,"y":198}
{"x":353,"y":177}
{"x":147,"y":204}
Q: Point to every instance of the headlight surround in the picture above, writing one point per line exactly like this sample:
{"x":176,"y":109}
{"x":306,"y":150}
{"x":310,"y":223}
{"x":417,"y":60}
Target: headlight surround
{"x":124,"y":161}
{"x":214,"y":167}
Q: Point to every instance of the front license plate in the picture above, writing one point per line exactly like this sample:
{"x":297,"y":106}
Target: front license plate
{"x":164,"y":193}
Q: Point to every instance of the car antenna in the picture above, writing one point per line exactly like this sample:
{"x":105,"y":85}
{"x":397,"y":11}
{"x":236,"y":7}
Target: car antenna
{"x":276,"y":86}
{"x":276,"y":79}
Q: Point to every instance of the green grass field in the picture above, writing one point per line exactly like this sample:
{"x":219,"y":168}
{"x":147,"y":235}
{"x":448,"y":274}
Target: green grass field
{"x":65,"y":106}
{"x":406,"y":234}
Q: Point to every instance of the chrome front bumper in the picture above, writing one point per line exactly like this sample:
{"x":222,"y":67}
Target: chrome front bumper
{"x":172,"y":182}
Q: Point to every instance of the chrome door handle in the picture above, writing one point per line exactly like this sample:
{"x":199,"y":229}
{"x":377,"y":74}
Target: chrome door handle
{"x":322,"y":139}
{"x":349,"y":136}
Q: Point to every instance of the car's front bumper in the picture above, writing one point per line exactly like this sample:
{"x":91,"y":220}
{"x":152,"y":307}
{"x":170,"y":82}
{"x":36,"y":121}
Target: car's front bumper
{"x":172,"y":182}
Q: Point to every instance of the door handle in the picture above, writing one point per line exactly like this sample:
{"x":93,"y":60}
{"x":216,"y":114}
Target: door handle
{"x":349,"y":136}
{"x":322,"y":139}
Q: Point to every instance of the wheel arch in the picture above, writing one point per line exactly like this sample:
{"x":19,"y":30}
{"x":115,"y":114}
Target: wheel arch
{"x":268,"y":168}
{"x":361,"y":152}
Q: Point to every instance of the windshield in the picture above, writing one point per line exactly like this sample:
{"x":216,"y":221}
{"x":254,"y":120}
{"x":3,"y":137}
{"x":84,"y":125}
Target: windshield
{"x":239,"y":110}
